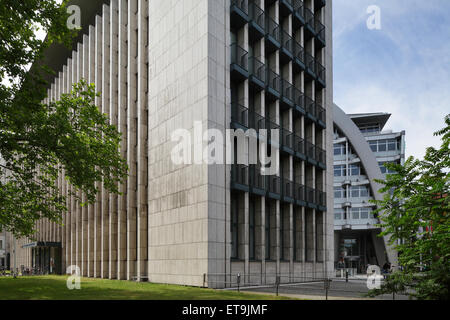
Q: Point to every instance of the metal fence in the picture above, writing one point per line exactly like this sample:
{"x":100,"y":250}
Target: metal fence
{"x":306,"y":285}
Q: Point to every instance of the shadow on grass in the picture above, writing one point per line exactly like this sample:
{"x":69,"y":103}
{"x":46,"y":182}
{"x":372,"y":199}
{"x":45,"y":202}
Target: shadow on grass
{"x":55,"y":288}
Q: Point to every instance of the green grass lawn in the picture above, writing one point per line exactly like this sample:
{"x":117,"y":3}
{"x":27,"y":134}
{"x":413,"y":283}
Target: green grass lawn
{"x":54,"y":288}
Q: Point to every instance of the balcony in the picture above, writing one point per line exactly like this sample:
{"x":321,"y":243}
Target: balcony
{"x":269,"y":125}
{"x":321,"y":74}
{"x":288,"y":190}
{"x":299,"y":147}
{"x":299,"y":101}
{"x":315,"y":112}
{"x":273,"y":84}
{"x":257,"y":74}
{"x":258,"y":182}
{"x":273,"y":35}
{"x":299,"y":16}
{"x":239,"y":177}
{"x":309,"y":23}
{"x":249,"y":179}
{"x":274,"y":187}
{"x":299,"y":56}
{"x":287,"y":141}
{"x":286,"y":7}
{"x":239,"y":13}
{"x":287,"y":47}
{"x":310,"y":64}
{"x":315,"y":154}
{"x":319,"y":29}
{"x":257,"y":22}
{"x":287,"y":93}
{"x":321,"y":115}
{"x":239,"y":116}
{"x":239,"y":63}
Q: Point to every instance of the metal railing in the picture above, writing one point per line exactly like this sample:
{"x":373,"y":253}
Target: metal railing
{"x":299,"y":98}
{"x":298,"y":8}
{"x":258,"y":69}
{"x":239,"y":56}
{"x":239,"y":114}
{"x":241,"y":4}
{"x":310,"y":62}
{"x":257,"y":180}
{"x":274,"y":184}
{"x":321,"y":72}
{"x":287,"y":41}
{"x":287,"y":90}
{"x":273,"y":29}
{"x":319,"y":28}
{"x":273,"y":80}
{"x":299,"y":144}
{"x":299,"y":51}
{"x":257,"y":14}
{"x":239,"y":174}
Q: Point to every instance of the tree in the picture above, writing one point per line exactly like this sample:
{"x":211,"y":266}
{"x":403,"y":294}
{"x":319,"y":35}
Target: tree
{"x":415,"y":213}
{"x":39,"y":141}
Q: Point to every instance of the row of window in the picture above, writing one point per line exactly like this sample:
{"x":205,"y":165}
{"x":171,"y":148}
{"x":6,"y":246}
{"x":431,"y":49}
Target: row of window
{"x":354,"y":192}
{"x":370,"y":128}
{"x":340,"y":149}
{"x":355,"y":214}
{"x":353,"y":170}
{"x":385,"y":145}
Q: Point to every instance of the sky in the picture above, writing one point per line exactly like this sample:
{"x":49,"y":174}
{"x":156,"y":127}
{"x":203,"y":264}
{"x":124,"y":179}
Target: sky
{"x":402,"y":69}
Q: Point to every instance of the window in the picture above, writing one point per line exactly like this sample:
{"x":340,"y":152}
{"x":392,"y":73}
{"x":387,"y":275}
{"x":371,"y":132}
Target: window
{"x":355,"y":213}
{"x":392,"y":145}
{"x":340,"y":193}
{"x":339,"y":214}
{"x":362,"y":214}
{"x":354,"y":170}
{"x":339,"y":171}
{"x":385,"y":145}
{"x":339,"y":149}
{"x":382,"y":145}
{"x":370,"y":128}
{"x":1,"y":244}
{"x":359,"y":191}
{"x":374,"y":146}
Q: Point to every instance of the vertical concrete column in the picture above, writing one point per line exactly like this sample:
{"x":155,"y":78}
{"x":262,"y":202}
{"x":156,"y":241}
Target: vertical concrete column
{"x":131,"y":141}
{"x":84,"y":208}
{"x":142,"y":129}
{"x":73,"y":201}
{"x":98,"y":101}
{"x":67,"y":185}
{"x":105,"y":109}
{"x":122,"y":124}
{"x":79,"y":208}
{"x":91,"y":207}
{"x":113,"y":111}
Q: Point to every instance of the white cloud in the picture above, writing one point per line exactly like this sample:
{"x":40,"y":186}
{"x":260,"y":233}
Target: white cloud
{"x":404,"y":69}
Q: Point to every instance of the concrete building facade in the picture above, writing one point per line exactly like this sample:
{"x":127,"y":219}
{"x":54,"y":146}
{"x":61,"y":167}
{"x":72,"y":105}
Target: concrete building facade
{"x":166,"y":65}
{"x":361,"y":148}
